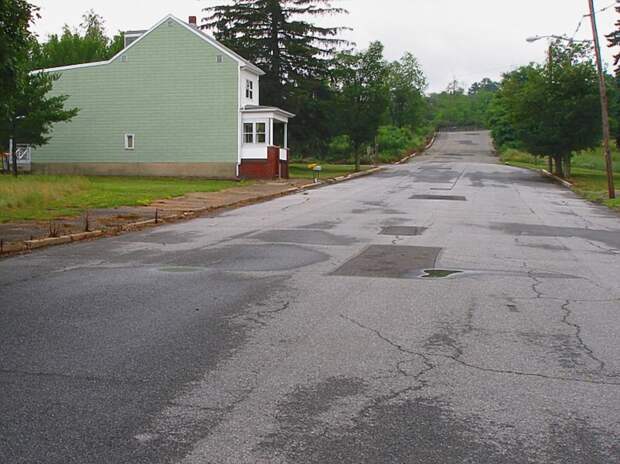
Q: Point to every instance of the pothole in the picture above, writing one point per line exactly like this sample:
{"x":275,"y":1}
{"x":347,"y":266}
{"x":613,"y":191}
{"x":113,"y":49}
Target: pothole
{"x":438,"y":197}
{"x":403,"y":230}
{"x":439,"y":273}
{"x":399,"y":262}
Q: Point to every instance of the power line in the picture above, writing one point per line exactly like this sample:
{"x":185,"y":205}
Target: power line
{"x":583,"y":18}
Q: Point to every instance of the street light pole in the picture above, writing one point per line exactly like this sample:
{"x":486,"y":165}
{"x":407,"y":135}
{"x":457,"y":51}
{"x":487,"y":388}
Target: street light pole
{"x":604,"y":104}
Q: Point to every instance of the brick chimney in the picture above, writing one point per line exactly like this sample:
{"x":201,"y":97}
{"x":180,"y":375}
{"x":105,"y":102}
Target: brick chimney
{"x":193,"y":21}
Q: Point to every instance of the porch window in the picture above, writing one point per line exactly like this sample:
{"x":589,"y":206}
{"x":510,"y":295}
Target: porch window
{"x":255,"y":132}
{"x":249,"y":89}
{"x":248,"y":132}
{"x":261,"y":132}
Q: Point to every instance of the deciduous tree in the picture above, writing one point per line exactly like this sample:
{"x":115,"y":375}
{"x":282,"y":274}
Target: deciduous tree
{"x":552,"y":111}
{"x":362,"y":88}
{"x":32,"y":111}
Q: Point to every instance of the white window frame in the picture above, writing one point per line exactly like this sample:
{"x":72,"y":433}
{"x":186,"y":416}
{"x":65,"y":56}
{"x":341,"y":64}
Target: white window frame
{"x":246,"y":133}
{"x":255,"y":133}
{"x":131,"y":146}
{"x":249,"y":89}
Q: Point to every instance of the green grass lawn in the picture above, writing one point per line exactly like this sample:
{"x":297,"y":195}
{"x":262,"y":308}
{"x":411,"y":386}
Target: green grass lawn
{"x":587,"y":173}
{"x":301,"y":170}
{"x":48,"y":197}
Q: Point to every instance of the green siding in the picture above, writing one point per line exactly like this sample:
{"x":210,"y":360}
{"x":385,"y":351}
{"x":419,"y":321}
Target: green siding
{"x":171,"y":93}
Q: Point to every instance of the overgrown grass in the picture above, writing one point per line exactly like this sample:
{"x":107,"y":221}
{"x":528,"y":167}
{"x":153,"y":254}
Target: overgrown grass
{"x":587,"y":173}
{"x":302,"y":171}
{"x":48,"y":197}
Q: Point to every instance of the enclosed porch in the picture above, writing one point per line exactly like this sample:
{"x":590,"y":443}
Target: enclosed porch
{"x":264,"y":143}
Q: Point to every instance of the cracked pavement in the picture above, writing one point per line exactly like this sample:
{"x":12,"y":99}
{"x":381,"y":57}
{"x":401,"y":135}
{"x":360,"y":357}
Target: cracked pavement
{"x":294,"y":331}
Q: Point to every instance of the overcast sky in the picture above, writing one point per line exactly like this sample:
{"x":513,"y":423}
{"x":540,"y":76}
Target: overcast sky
{"x":466,"y":40}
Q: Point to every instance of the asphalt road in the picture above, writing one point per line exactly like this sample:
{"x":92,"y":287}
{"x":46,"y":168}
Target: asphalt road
{"x":450,"y":310}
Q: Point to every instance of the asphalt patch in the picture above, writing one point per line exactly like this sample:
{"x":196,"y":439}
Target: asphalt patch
{"x":324,"y":225}
{"x":403,"y":230}
{"x":610,"y":238}
{"x":397,"y":262}
{"x":252,"y":258}
{"x":438,"y":197}
{"x":306,"y":237}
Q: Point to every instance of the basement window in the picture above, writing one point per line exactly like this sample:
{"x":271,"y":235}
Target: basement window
{"x":130,"y":141}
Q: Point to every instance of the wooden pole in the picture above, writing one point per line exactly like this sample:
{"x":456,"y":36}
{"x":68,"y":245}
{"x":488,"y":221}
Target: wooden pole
{"x":604,"y":104}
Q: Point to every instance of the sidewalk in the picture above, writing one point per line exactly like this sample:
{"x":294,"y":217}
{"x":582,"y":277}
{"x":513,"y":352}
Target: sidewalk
{"x":20,"y":236}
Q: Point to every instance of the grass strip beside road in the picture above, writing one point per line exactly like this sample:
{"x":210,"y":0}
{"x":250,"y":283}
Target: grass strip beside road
{"x":587,"y":173}
{"x":38,"y":197}
{"x":302,"y":171}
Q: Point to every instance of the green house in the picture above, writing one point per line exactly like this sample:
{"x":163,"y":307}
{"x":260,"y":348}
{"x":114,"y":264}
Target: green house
{"x":173,"y":102}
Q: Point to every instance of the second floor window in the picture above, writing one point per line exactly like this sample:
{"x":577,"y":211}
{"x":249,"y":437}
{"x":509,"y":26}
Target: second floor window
{"x":249,"y":89}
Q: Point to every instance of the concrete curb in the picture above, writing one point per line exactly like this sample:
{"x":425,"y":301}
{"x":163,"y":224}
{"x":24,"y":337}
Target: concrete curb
{"x":12,"y":248}
{"x":414,"y":154}
{"x":52,"y":241}
{"x":559,"y":180}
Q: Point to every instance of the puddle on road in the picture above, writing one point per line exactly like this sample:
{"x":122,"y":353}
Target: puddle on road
{"x":181,"y":269}
{"x":438,"y":197}
{"x":439,"y":273}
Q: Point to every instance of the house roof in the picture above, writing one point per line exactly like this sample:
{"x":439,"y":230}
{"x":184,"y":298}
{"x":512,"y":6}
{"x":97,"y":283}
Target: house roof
{"x":207,"y":38}
{"x":266,"y":109}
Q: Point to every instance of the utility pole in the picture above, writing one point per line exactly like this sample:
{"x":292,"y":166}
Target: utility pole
{"x":604,"y":104}
{"x":550,"y":52}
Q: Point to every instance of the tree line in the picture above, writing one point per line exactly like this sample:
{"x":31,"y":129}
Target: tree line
{"x":352,"y":105}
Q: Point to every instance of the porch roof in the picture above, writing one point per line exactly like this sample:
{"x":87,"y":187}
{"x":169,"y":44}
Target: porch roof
{"x":268,"y":111}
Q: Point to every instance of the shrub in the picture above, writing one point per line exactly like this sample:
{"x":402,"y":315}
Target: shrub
{"x":394,"y":142}
{"x":340,"y":147}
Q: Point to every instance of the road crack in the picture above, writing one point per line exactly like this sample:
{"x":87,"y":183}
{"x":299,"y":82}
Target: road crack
{"x":457,"y":358}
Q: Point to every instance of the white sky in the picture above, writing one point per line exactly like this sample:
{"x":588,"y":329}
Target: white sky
{"x":462,"y":39}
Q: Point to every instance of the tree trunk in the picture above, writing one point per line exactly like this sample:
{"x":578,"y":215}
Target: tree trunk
{"x":551,"y":164}
{"x":559,"y":168}
{"x":567,"y":166}
{"x":14,"y":157}
{"x":357,"y":157}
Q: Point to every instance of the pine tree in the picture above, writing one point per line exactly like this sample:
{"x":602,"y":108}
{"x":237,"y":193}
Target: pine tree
{"x":277,"y":36}
{"x":614,"y":41}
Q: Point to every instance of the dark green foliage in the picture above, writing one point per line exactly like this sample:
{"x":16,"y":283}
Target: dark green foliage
{"x":27,"y":110}
{"x":455,"y":108}
{"x":16,"y":16}
{"x":613,"y":40}
{"x":550,"y":110}
{"x":396,"y":142}
{"x":406,"y":82}
{"x":485,"y":85}
{"x":277,"y":36}
{"x":87,"y":44}
{"x":362,"y":95}
{"x":296,"y":55}
{"x":32,"y":111}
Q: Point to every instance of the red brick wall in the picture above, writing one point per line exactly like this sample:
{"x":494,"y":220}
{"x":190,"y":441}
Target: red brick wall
{"x":264,"y":169}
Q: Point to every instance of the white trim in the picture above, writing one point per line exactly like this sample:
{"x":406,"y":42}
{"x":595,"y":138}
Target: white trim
{"x":239,"y":124}
{"x":277,"y":113}
{"x":270,"y":131}
{"x":133,"y":142}
{"x":240,"y":60}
